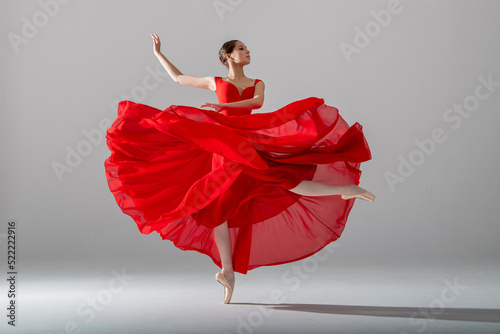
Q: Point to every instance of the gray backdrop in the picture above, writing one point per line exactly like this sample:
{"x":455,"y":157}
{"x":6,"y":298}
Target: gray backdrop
{"x":422,"y":77}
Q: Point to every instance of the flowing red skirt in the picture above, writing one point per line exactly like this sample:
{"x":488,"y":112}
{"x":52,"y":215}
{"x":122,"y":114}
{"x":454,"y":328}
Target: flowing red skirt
{"x":183,"y":171}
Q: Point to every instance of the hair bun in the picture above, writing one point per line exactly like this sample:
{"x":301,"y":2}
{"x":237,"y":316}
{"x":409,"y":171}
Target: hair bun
{"x":226,"y":49}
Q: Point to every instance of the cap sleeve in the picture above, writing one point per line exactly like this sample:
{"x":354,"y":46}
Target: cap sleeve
{"x":217,"y":81}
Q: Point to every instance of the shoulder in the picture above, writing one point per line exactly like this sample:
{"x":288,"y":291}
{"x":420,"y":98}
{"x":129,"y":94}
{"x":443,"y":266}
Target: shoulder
{"x":259,"y":84}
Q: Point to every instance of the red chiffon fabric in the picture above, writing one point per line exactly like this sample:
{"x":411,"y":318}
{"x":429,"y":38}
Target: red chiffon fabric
{"x":184,"y":170}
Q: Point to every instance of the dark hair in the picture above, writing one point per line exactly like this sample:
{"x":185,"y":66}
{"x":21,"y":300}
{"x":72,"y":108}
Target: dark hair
{"x":226,"y":49}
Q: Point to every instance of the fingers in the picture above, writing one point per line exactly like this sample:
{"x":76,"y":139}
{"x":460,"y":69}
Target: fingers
{"x":208,"y":105}
{"x":155,"y":37}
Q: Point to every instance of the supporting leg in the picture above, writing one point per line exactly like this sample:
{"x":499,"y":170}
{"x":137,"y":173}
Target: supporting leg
{"x":223,"y":242}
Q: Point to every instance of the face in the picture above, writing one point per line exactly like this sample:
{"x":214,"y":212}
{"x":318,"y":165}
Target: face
{"x":240,"y":54}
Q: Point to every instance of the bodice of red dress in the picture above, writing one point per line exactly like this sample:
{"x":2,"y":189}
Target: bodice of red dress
{"x":227,"y":92}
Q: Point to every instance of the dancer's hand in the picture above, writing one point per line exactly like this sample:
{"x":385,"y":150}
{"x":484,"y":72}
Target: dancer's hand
{"x":156,"y":44}
{"x":215,"y":106}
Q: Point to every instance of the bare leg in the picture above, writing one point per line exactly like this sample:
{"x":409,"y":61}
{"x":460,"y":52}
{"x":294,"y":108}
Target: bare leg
{"x":223,"y":242}
{"x":312,"y":188}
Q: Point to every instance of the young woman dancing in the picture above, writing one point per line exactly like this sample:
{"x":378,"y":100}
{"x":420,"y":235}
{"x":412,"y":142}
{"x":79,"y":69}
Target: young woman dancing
{"x":248,"y":190}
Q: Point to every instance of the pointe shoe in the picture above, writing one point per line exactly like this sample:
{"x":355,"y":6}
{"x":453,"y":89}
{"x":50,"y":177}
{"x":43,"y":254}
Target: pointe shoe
{"x":228,"y":291}
{"x":353,"y":191}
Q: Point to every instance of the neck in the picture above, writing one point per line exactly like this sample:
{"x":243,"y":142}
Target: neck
{"x":236,"y":72}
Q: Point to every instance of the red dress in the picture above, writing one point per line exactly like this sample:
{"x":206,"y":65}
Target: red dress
{"x":184,"y":170}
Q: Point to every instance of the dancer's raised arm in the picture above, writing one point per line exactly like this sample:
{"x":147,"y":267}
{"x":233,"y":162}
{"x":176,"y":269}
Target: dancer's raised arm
{"x":178,"y":76}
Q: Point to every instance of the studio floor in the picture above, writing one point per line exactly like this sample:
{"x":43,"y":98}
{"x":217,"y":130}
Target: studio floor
{"x":315,"y":295}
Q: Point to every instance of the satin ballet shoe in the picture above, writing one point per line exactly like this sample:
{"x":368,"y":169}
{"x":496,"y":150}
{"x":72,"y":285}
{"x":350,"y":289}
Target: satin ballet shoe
{"x":353,"y":191}
{"x":228,"y":291}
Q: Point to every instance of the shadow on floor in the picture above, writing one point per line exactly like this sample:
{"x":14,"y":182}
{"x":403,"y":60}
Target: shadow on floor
{"x":463,"y":314}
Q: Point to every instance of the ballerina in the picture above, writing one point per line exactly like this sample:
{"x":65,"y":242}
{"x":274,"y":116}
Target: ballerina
{"x":229,"y":193}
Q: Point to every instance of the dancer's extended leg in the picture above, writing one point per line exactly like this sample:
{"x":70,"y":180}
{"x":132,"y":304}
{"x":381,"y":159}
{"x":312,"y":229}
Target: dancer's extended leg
{"x":348,"y":191}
